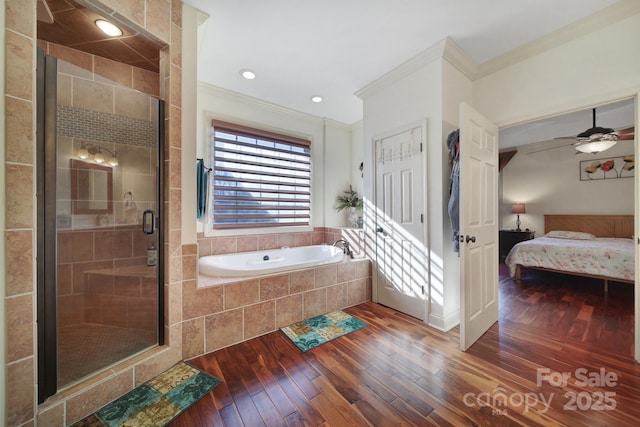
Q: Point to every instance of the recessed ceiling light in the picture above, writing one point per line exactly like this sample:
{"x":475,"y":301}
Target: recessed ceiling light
{"x":108,"y":28}
{"x":316,"y":98}
{"x":247,"y":74}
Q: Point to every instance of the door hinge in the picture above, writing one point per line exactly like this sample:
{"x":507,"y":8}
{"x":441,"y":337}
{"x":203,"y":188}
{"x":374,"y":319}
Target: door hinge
{"x":421,"y":147}
{"x":422,"y":218}
{"x":422,"y":289}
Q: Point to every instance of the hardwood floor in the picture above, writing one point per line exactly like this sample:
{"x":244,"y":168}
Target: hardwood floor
{"x":398,"y":371}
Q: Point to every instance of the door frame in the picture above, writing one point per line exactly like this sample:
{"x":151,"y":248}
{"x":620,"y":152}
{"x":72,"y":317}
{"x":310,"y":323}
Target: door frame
{"x":423,"y":124}
{"x":584,"y":105}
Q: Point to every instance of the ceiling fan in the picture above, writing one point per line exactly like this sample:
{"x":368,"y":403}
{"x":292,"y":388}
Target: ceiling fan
{"x":595,"y":139}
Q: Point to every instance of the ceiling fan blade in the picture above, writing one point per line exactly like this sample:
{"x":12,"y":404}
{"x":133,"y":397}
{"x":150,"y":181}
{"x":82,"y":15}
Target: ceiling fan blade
{"x":551,"y":148}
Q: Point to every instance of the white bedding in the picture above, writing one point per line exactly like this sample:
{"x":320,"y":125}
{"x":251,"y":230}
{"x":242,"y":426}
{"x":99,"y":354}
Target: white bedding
{"x":605,"y":256}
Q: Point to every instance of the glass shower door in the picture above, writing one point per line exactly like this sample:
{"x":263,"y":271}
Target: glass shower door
{"x":108,"y":241}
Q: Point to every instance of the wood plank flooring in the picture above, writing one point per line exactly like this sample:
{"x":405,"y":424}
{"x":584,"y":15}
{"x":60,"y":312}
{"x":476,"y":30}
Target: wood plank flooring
{"x":398,"y":371}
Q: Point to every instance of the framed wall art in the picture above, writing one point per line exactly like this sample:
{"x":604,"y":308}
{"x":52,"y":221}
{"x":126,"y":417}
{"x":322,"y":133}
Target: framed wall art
{"x":608,"y":168}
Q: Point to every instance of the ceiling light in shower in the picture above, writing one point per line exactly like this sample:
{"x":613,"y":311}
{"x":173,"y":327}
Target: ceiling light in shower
{"x":108,"y":28}
{"x":247,"y":74}
{"x":316,"y":98}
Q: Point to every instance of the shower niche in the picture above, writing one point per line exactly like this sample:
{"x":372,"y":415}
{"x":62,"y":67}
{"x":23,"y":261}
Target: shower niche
{"x":100,"y":180}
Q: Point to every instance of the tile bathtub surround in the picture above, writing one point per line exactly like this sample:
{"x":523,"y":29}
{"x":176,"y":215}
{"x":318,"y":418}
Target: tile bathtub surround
{"x":228,"y":313}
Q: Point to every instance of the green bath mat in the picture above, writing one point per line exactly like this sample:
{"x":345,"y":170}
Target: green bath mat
{"x":156,"y":402}
{"x":318,"y":330}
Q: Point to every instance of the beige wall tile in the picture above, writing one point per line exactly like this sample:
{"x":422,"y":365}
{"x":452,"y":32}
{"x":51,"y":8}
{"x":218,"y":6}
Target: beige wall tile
{"x":314,"y":303}
{"x":130,"y":103}
{"x":64,"y":90}
{"x":247,"y":243}
{"x":158,"y":19}
{"x":302,"y":280}
{"x":363,"y":268}
{"x":259,"y":319}
{"x":93,"y":96}
{"x":19,"y":209}
{"x":286,"y":239}
{"x":189,"y":267}
{"x":18,"y":17}
{"x":20,"y":402}
{"x":64,"y":281}
{"x":175,"y":88}
{"x":133,"y":10}
{"x":175,"y":169}
{"x":175,"y":137}
{"x":176,"y":40}
{"x":109,"y":244}
{"x":357,"y":291}
{"x":199,"y":302}
{"x":190,"y":249}
{"x":204,"y":246}
{"x":176,"y":14}
{"x":303,"y":239}
{"x":288,"y":310}
{"x":51,"y":416}
{"x":19,"y":258}
{"x":267,"y":241}
{"x":92,"y":399}
{"x":175,"y":270}
{"x":274,"y":287}
{"x":18,"y":66}
{"x":79,"y":270}
{"x":336,"y":297}
{"x":19,"y":132}
{"x":192,"y":338}
{"x":223,"y":329}
{"x":20,"y":327}
{"x":241,"y":293}
{"x":346,"y":271}
{"x":108,"y":71}
{"x":326,"y":275}
{"x":223,"y":245}
{"x":317,"y":238}
{"x":80,"y":59}
{"x":146,"y":81}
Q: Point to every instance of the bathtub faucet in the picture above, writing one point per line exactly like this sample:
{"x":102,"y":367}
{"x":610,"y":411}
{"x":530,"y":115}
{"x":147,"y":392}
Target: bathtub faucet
{"x":345,"y":247}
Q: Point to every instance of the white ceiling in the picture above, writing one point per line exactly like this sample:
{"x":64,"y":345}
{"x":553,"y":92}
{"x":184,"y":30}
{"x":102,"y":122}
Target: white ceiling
{"x":334,"y":48}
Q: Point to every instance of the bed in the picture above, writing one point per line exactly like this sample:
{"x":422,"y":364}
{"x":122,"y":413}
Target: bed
{"x":599,"y":246}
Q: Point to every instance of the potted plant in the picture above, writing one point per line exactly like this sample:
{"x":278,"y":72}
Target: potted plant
{"x":352,"y":201}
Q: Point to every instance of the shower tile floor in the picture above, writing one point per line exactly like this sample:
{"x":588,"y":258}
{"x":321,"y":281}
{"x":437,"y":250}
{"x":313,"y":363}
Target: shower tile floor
{"x":87,"y":347}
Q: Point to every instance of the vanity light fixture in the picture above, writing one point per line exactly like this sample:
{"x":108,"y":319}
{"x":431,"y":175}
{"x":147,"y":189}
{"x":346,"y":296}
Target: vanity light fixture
{"x":247,"y":74}
{"x":89,"y":151}
{"x":316,"y":98}
{"x":108,"y":28}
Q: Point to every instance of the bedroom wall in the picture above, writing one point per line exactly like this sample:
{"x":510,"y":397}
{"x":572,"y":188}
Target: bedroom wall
{"x":573,"y":69}
{"x":549,"y":183}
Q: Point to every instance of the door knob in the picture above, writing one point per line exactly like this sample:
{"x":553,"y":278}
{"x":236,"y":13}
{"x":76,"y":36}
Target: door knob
{"x":471,"y":239}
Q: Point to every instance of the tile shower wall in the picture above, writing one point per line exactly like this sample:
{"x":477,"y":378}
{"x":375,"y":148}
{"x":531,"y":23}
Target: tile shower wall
{"x":163,"y":19}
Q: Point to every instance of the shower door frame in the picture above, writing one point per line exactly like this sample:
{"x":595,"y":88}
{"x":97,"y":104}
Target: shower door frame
{"x":46,"y":224}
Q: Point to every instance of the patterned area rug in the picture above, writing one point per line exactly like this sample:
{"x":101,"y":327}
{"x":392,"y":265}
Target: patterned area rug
{"x":156,"y":402}
{"x":318,"y":330}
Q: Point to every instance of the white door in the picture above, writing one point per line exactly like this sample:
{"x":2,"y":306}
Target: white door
{"x":478,"y":225}
{"x":400,"y":254}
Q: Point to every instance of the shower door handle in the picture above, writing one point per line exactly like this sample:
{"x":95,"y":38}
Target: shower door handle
{"x":148,"y":222}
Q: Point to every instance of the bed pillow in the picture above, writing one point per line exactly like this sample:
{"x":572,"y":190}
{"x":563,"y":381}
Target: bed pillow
{"x":575,"y":235}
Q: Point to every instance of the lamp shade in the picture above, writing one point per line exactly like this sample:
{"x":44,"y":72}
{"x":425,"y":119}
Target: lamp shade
{"x":518,"y":208}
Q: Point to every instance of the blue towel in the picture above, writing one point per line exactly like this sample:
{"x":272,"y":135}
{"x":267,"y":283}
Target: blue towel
{"x":202,"y":179}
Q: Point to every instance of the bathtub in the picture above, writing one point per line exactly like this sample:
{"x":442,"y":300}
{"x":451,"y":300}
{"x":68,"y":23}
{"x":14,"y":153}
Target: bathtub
{"x":268,"y":261}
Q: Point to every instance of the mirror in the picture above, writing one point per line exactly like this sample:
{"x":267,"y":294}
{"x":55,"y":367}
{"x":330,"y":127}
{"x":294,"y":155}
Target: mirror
{"x":91,"y":188}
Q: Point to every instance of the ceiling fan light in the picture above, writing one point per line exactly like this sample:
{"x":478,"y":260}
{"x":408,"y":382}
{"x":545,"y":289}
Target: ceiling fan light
{"x":594,"y":147}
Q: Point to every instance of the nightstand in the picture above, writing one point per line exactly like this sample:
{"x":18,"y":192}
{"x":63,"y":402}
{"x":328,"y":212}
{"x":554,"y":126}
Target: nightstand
{"x":509,"y":238}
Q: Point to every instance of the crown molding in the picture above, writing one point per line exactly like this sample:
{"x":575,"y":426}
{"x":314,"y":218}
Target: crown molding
{"x":444,"y":49}
{"x":219,"y":92}
{"x":586,"y":25}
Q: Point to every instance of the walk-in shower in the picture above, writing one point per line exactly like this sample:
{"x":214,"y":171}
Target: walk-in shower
{"x":100,"y":239}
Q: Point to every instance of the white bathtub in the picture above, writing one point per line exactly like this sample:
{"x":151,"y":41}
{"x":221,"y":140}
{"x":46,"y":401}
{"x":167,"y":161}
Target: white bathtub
{"x":269,"y":261}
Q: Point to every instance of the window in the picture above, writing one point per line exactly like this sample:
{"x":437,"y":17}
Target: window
{"x":261,"y":179}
